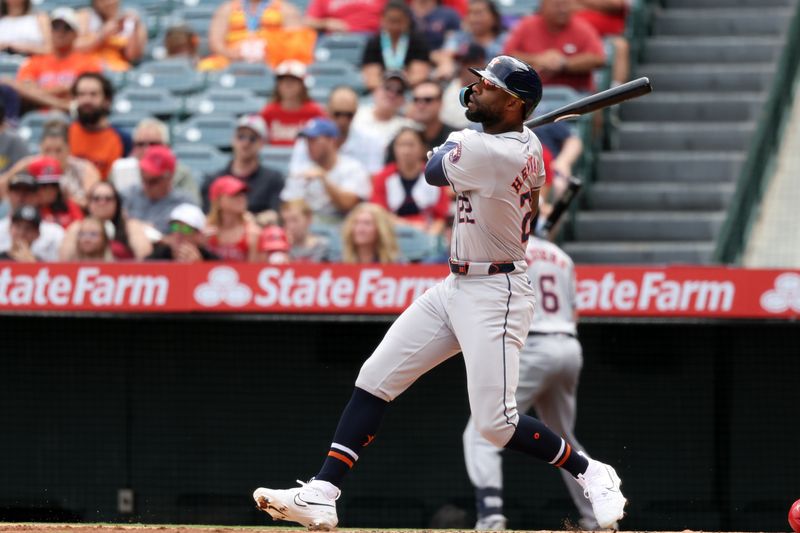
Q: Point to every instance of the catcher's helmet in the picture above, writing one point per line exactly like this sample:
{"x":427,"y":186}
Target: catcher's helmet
{"x":514,"y":77}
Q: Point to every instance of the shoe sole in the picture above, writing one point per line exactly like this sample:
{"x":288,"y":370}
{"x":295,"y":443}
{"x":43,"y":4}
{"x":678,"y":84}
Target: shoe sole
{"x":263,"y":503}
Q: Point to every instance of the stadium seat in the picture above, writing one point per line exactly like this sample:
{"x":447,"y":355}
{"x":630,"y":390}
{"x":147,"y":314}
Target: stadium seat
{"x":346,"y":47}
{"x":200,"y":158}
{"x":517,"y":8}
{"x":156,"y":101}
{"x":127,"y":121}
{"x":256,"y":77}
{"x":176,"y":75}
{"x":332,"y":234}
{"x":216,"y":130}
{"x":118,"y":78}
{"x":197,"y":17}
{"x":197,"y":3}
{"x":32,"y":123}
{"x":555,"y":96}
{"x":332,"y":73}
{"x":277,"y":157}
{"x":224,"y":101}
{"x":9,"y":64}
{"x":414,"y":243}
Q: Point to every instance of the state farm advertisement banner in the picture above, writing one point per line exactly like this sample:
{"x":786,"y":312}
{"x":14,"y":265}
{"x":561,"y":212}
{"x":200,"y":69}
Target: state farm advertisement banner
{"x":680,"y":291}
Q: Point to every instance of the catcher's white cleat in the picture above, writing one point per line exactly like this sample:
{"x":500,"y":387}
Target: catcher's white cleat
{"x":307,"y":505}
{"x":601,"y":485}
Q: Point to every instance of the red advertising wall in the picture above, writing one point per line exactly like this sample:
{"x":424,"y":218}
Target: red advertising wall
{"x":679,"y":291}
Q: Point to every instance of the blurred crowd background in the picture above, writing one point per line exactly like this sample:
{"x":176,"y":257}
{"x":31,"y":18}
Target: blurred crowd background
{"x":266,"y":130}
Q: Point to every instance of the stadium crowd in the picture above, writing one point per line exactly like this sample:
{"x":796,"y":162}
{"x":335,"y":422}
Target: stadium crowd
{"x":265,"y":131}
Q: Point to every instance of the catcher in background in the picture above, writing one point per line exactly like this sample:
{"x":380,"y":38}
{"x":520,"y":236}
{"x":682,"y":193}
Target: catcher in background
{"x":549,"y":368}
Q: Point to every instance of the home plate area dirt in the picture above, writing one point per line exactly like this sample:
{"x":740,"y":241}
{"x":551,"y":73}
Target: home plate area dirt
{"x":79,"y":528}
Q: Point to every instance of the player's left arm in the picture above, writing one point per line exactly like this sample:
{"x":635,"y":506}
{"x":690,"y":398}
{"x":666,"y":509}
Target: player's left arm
{"x":434,"y":169}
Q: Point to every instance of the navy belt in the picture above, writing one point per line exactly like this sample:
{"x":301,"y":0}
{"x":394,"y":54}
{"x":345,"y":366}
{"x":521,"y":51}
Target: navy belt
{"x":465,"y":268}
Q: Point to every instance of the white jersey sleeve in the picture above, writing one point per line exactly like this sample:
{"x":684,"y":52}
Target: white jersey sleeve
{"x":552,"y":274}
{"x":466,"y":164}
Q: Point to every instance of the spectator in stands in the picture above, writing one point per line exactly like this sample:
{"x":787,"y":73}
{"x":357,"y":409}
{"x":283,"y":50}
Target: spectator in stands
{"x":368,"y":236}
{"x":184,"y":240}
{"x":333,"y":183}
{"x":53,"y":204}
{"x":291,"y":107}
{"x":92,"y":136}
{"x":563,"y":49}
{"x":22,"y":190}
{"x":353,"y":141}
{"x":425,"y":110}
{"x":125,"y":171}
{"x":182,"y":41}
{"x":232,"y":232}
{"x":402,"y":190}
{"x":22,"y":30}
{"x":116,"y":36}
{"x":127,"y":237}
{"x":264,"y":184}
{"x":382,"y":117}
{"x":91,"y":242}
{"x":608,"y":17}
{"x":258,"y":31}
{"x":23,"y":232}
{"x":453,"y":113}
{"x":483,"y":27}
{"x":305,"y":247}
{"x":273,"y":246}
{"x":566,"y":148}
{"x":355,"y":16}
{"x":397,"y":47}
{"x":79,"y":174}
{"x":45,"y":80}
{"x":12,"y":147}
{"x":436,"y":22}
{"x":153,"y":200}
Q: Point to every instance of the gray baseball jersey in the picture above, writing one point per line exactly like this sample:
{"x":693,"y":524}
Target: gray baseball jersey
{"x":480,"y":310}
{"x":550,"y":366}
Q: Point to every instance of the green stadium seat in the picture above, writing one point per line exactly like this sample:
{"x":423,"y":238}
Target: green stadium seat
{"x":156,"y":101}
{"x":215,"y":130}
{"x":224,"y":101}
{"x":31,"y":124}
{"x":256,"y":77}
{"x":177,"y":75}
{"x":346,"y":47}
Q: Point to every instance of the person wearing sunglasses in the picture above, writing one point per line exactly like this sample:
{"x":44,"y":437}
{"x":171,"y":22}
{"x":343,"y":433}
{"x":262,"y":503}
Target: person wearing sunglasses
{"x":154,"y":198}
{"x":483,"y":309}
{"x":127,"y":237}
{"x":184,"y":241}
{"x":125,"y":171}
{"x":353,"y":141}
{"x":264,"y":184}
{"x":425,"y":110}
{"x":45,"y":80}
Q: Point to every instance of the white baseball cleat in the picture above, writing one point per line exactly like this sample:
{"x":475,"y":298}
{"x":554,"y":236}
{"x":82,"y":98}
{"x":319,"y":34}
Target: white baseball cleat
{"x":590,"y":524}
{"x":306,"y":505}
{"x":601,"y":485}
{"x":493,"y":522}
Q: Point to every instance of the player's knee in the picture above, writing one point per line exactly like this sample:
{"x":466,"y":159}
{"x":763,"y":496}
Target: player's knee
{"x":497,"y":430}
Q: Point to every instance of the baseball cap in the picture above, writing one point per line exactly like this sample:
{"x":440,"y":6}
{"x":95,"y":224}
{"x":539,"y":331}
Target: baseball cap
{"x":189,"y":214}
{"x":157,"y":160}
{"x":226,"y":186}
{"x":46,"y":170}
{"x":253,"y":122}
{"x":471,"y":53}
{"x":66,"y":14}
{"x":27,"y":213}
{"x":291,"y":67}
{"x":396,"y":75}
{"x":273,"y":239}
{"x":320,"y":127}
{"x":22,"y":180}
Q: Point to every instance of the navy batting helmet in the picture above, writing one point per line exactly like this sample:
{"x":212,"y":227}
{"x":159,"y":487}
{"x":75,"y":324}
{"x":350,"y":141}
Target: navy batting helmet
{"x":514,"y":77}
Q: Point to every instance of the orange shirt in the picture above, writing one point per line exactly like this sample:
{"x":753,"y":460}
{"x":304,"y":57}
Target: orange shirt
{"x":49,"y":71}
{"x":101,"y":147}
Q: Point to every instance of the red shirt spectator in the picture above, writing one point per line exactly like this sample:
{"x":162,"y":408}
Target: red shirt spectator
{"x":291,"y":107}
{"x":345,"y":15}
{"x":563,"y":49}
{"x":53,"y":206}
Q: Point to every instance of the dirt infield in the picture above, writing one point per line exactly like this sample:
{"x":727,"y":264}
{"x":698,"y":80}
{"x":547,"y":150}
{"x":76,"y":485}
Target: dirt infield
{"x":81,"y":528}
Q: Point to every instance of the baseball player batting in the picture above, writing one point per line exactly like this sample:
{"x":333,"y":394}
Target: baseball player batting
{"x":483,"y":308}
{"x":549,"y":368}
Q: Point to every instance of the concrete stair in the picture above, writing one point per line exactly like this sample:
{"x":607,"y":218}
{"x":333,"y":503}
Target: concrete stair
{"x":661,"y":195}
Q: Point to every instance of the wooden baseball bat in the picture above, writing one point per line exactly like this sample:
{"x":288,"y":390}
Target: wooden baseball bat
{"x":609,"y":97}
